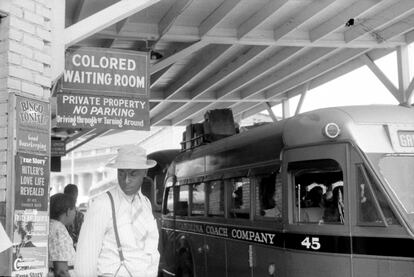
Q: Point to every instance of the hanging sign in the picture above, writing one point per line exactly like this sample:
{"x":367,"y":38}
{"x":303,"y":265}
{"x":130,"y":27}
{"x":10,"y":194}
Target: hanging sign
{"x":58,"y":148}
{"x":102,"y":112}
{"x":32,"y":182}
{"x":106,"y":71}
{"x":33,"y":126}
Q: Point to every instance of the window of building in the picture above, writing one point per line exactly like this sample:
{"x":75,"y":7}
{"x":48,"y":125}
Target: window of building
{"x":215,"y":198}
{"x":240,"y":198}
{"x":268,"y":196}
{"x":318,"y":192}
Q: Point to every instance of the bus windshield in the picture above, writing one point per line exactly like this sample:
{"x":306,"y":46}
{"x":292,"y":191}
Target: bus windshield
{"x":398,"y":171}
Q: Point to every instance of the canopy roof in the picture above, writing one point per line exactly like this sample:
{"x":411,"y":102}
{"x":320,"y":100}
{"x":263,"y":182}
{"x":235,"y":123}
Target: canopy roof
{"x":247,"y":55}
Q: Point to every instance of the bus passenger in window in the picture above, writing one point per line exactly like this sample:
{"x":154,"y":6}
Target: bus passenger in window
{"x":334,"y":205}
{"x":273,"y":210}
{"x":313,"y":210}
{"x":368,"y":212}
{"x":237,"y":196}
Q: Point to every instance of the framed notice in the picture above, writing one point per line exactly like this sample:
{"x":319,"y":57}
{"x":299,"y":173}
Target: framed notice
{"x":32,"y":182}
{"x":106,"y":71}
{"x":102,"y":112}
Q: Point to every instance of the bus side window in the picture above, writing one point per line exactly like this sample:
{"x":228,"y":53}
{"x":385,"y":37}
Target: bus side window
{"x":215,"y":190}
{"x":181,"y":207}
{"x":318,"y":191}
{"x":240,"y":198}
{"x":169,"y":205}
{"x":369,"y":212}
{"x":198,"y":199}
{"x":268,"y":197}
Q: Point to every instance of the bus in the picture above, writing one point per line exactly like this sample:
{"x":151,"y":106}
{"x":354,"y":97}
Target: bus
{"x":324,"y":193}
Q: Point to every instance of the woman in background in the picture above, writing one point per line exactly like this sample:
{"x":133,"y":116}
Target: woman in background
{"x":61,"y":251}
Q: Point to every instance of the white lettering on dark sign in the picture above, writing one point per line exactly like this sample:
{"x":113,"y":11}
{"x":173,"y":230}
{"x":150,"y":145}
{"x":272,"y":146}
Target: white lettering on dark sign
{"x":97,"y":70}
{"x":90,"y":111}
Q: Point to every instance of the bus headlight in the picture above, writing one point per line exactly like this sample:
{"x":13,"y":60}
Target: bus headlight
{"x":331,"y":130}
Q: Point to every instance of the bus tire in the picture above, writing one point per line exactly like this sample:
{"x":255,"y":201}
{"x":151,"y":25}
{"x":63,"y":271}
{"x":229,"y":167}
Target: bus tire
{"x":185,"y":263}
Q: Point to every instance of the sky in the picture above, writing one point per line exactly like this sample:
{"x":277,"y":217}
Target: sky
{"x":359,"y":87}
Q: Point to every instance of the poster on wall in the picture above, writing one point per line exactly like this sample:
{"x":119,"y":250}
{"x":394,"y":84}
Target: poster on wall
{"x":32,"y":182}
{"x":31,"y":187}
{"x":30,"y":243}
{"x":33,"y":126}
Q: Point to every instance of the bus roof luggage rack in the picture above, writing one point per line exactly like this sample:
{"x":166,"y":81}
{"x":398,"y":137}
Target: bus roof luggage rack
{"x":217,"y":124}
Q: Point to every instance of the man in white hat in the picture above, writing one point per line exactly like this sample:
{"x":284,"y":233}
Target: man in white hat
{"x":97,"y":252}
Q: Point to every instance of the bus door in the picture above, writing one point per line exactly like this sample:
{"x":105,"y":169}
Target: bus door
{"x":239,"y":248}
{"x":214,"y":248}
{"x":317,"y":240}
{"x":379,"y":239}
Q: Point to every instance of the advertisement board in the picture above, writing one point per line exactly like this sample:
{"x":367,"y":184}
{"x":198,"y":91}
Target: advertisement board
{"x":33,"y":126}
{"x":31,"y":230}
{"x":32,"y":182}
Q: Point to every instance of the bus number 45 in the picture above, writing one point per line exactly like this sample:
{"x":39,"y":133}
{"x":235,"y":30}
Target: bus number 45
{"x":311,"y":243}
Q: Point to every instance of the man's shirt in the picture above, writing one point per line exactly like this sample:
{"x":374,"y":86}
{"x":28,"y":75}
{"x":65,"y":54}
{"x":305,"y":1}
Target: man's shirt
{"x":97,"y":252}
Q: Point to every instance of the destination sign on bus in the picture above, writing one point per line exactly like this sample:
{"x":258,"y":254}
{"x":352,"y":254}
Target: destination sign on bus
{"x":406,"y":138}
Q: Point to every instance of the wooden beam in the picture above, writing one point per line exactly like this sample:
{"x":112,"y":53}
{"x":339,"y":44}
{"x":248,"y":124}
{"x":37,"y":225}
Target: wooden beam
{"x":396,"y":29}
{"x":302,"y":98}
{"x":270,"y":111}
{"x":78,"y":11}
{"x":171,"y":16}
{"x":177,"y":56}
{"x":158,"y":75}
{"x":205,"y":90}
{"x":286,"y":108}
{"x":320,"y":68}
{"x":300,"y":18}
{"x":231,"y":69}
{"x":410,"y":92}
{"x":256,"y":37}
{"x":339,"y":20}
{"x":268,"y":10}
{"x":279,"y":59}
{"x":403,"y":72}
{"x":103,"y":19}
{"x":199,"y":65}
{"x":380,"y":75}
{"x":300,"y":64}
{"x":217,"y":16}
{"x":387,"y":16}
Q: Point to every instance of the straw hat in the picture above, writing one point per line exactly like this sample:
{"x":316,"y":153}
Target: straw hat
{"x":131,"y":157}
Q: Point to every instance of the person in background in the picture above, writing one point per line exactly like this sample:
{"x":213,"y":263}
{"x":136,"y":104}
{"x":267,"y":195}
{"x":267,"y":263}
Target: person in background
{"x":99,"y":252}
{"x":61,"y":251}
{"x":75,"y":227}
